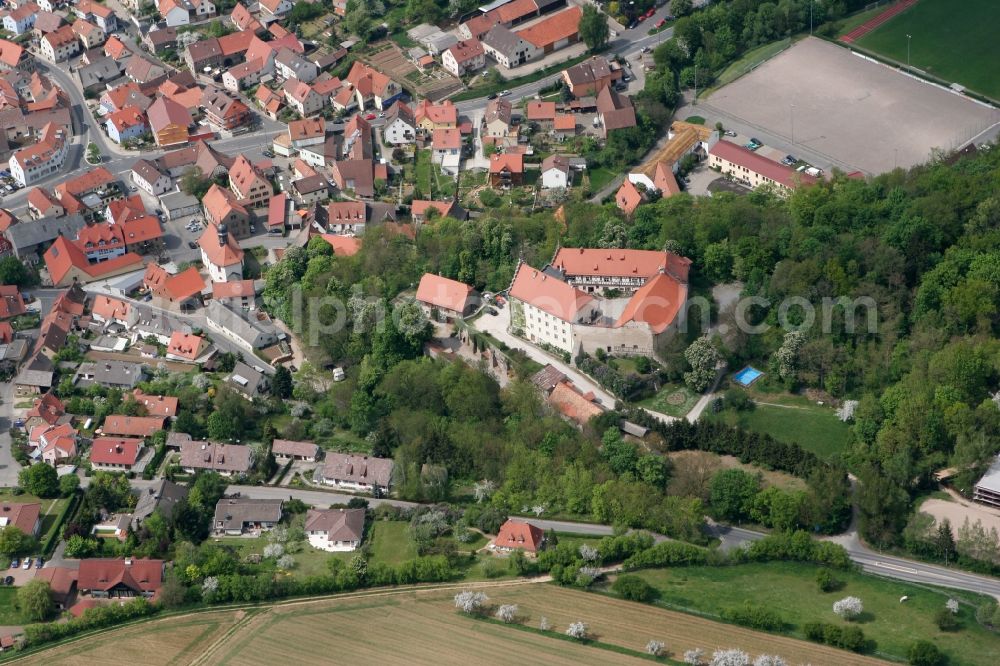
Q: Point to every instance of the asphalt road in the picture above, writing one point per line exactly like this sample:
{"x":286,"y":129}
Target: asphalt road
{"x":9,"y":468}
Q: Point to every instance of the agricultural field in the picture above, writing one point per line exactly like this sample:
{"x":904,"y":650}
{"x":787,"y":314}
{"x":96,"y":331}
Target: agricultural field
{"x":411,"y":626}
{"x":790,"y":589}
{"x":176,"y":640}
{"x":953,"y":42}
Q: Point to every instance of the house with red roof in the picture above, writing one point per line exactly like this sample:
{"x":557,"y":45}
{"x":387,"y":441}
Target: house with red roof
{"x":343,"y":246}
{"x":519,"y":535}
{"x":614,"y":111}
{"x":115,"y":454}
{"x":450,"y":299}
{"x":506,"y":169}
{"x":419,"y":209}
{"x":131,"y":426}
{"x":628,"y":197}
{"x":235,"y":293}
{"x":48,"y":410}
{"x":56,"y":443}
{"x":555,"y":32}
{"x":116,"y":49}
{"x":549,"y":307}
{"x":541,"y":113}
{"x":66,"y":264}
{"x":11,"y":302}
{"x":755,"y":170}
{"x":110,"y":310}
{"x":180,"y":288}
{"x":120,"y":578}
{"x":430,"y":116}
{"x":249,"y":184}
{"x":372,"y":87}
{"x":465,"y":56}
{"x":221,"y":254}
{"x":156,"y":405}
{"x":169,"y":122}
{"x":23,"y":516}
{"x":223,"y":208}
{"x":186,"y":347}
{"x":446,"y":145}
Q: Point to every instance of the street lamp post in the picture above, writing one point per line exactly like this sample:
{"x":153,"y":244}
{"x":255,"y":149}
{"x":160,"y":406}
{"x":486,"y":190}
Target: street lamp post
{"x":908,"y":38}
{"x":811,"y":3}
{"x":792,"y":116}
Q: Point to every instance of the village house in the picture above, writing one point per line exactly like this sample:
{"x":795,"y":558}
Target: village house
{"x":119,"y":578}
{"x":754,"y":170}
{"x":335,"y":530}
{"x":114,"y":454}
{"x":125,"y":125}
{"x":236,"y":293}
{"x":420,"y":210}
{"x":245,"y":517}
{"x":463,"y":57}
{"x":449,"y":298}
{"x":555,"y":172}
{"x":251,"y":331}
{"x":286,"y":449}
{"x":59,"y":45}
{"x":48,"y":410}
{"x":221,"y":254}
{"x":430,"y":116}
{"x":222,"y":209}
{"x":161,"y":497}
{"x":248,"y":382}
{"x":169,"y":122}
{"x":20,"y":20}
{"x":446,"y":145}
{"x":372,"y":87}
{"x":519,"y":535}
{"x":506,"y":170}
{"x":181,"y":288}
{"x":591,"y":76}
{"x":150,"y":179}
{"x":498,"y":127}
{"x":109,"y":374}
{"x":249,"y":184}
{"x":226,"y":459}
{"x":24,"y":516}
{"x":156,"y":405}
{"x":223,"y":110}
{"x":346,"y":471}
{"x":400,"y":125}
{"x":507,"y":48}
{"x":300,"y":96}
{"x":42,"y":158}
{"x":186,"y":347}
{"x":54,"y":444}
{"x":119,"y":425}
{"x":614,"y":111}
{"x":542,"y":114}
{"x":90,"y":35}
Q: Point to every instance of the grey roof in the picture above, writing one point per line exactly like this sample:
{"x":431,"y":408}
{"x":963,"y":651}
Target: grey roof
{"x":588,"y":71}
{"x":503,"y":40}
{"x":547,"y":378}
{"x":27,"y":235}
{"x":498,"y":109}
{"x":991,"y":480}
{"x":246,"y":379}
{"x":339,"y":524}
{"x":147,"y":171}
{"x":109,"y":373}
{"x":231,"y":458}
{"x":164,"y":496}
{"x":154,"y":322}
{"x":36,"y":372}
{"x":232,"y":514}
{"x":358,"y":469}
{"x":255,"y":332}
{"x":100,"y":71}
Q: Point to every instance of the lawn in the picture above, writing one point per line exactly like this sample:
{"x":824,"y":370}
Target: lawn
{"x":954,"y":42}
{"x":600,"y":177}
{"x":793,"y":419}
{"x":790,"y":589}
{"x":391,"y":542}
{"x":672,"y":400}
{"x":9,"y":613}
{"x":423,"y":172}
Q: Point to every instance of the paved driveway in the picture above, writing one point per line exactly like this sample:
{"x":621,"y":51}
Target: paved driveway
{"x":9,"y":468}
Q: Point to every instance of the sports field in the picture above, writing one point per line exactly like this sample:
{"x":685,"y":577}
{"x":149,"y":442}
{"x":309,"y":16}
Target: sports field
{"x":423,"y":627}
{"x":818,"y":98}
{"x":954,"y":41}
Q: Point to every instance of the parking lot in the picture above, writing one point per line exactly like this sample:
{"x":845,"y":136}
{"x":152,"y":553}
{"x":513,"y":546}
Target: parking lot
{"x":822,"y":102}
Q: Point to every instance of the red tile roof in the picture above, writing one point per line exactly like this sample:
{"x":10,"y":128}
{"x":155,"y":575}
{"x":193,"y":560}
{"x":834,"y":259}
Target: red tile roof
{"x":48,"y":408}
{"x":446,"y":139}
{"x":515,"y":534}
{"x":537,"y":110}
{"x":467,"y":50}
{"x":759,"y":164}
{"x":620,"y":263}
{"x":656,"y":303}
{"x":103,"y":574}
{"x":11,"y":303}
{"x":185,"y":345}
{"x":22,"y":516}
{"x":572,"y":404}
{"x":554,"y":296}
{"x":233,"y":289}
{"x":441,"y":292}
{"x":132,"y":426}
{"x":156,"y":405}
{"x":665,"y":180}
{"x":276,"y":209}
{"x":548,"y":31}
{"x":108,"y":308}
{"x":141,"y":229}
{"x":444,"y":113}
{"x":344,"y":246}
{"x":514,"y":163}
{"x":229,"y":254}
{"x":292,"y":448}
{"x":177,"y":288}
{"x":64,"y":255}
{"x":114,"y":451}
{"x":628,"y":197}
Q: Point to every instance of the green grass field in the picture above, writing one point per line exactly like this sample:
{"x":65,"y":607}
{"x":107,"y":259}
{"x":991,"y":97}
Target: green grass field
{"x":790,"y":589}
{"x":9,"y":612}
{"x":391,"y":542}
{"x":814,"y":427}
{"x":667,"y":401}
{"x":952,"y":41}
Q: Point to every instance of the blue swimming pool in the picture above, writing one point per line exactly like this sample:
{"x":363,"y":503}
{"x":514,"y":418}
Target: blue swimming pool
{"x":747,"y":376}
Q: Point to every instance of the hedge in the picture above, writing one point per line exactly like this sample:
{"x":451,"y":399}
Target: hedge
{"x":49,"y":544}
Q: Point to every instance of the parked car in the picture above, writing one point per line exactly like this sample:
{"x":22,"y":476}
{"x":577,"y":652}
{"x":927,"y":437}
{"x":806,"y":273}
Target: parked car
{"x":15,"y":563}
{"x":504,"y":92}
{"x":27,"y":563}
{"x":267,"y":153}
{"x":491,"y":96}
{"x":39,"y":563}
{"x":370,"y":116}
{"x":757,"y":141}
{"x":9,"y":580}
{"x":192,"y":245}
{"x":660,"y":23}
{"x":650,"y":13}
{"x":491,"y":311}
{"x":730,"y":133}
{"x":133,"y":188}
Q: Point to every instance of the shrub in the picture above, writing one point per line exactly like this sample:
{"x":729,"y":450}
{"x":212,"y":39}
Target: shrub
{"x":826,"y":581}
{"x":633,"y":588}
{"x":848,"y":638}
{"x":946,"y":620}
{"x":755,"y":617}
{"x":668,"y":553}
{"x":848,"y":607}
{"x":925,"y":653}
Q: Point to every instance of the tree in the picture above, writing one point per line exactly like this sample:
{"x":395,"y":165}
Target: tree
{"x":281,"y":383}
{"x":470,"y":602}
{"x":681,"y":7}
{"x":732,"y":493}
{"x":594,"y":29}
{"x":621,"y":455}
{"x":79,"y":547}
{"x":577,"y":630}
{"x":507,"y":613}
{"x":694,"y":657}
{"x":730,"y":657}
{"x":655,"y":648}
{"x":946,"y":620}
{"x":925,"y":653}
{"x":172,"y":591}
{"x":68,"y":484}
{"x":194,"y":183}
{"x":35,"y":600}
{"x":769,"y":660}
{"x":40,"y":479}
{"x":633,"y":588}
{"x":848,"y":608}
{"x":703,"y":358}
{"x":13,"y":541}
{"x":12,"y":271}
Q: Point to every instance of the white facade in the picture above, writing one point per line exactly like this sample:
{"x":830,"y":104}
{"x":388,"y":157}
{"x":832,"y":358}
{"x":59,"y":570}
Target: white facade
{"x":553,"y":178}
{"x":309,"y":106}
{"x":163,"y":184}
{"x":540,"y":326}
{"x":36,"y":169}
{"x":177,"y":16}
{"x":320,"y":541}
{"x":449,"y":62}
{"x":297,"y":68}
{"x":230,"y":273}
{"x":399,"y":132}
{"x":58,"y":53}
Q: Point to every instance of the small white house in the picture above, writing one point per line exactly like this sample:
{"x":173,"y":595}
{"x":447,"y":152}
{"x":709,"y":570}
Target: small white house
{"x":335,"y":530}
{"x":555,"y":172}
